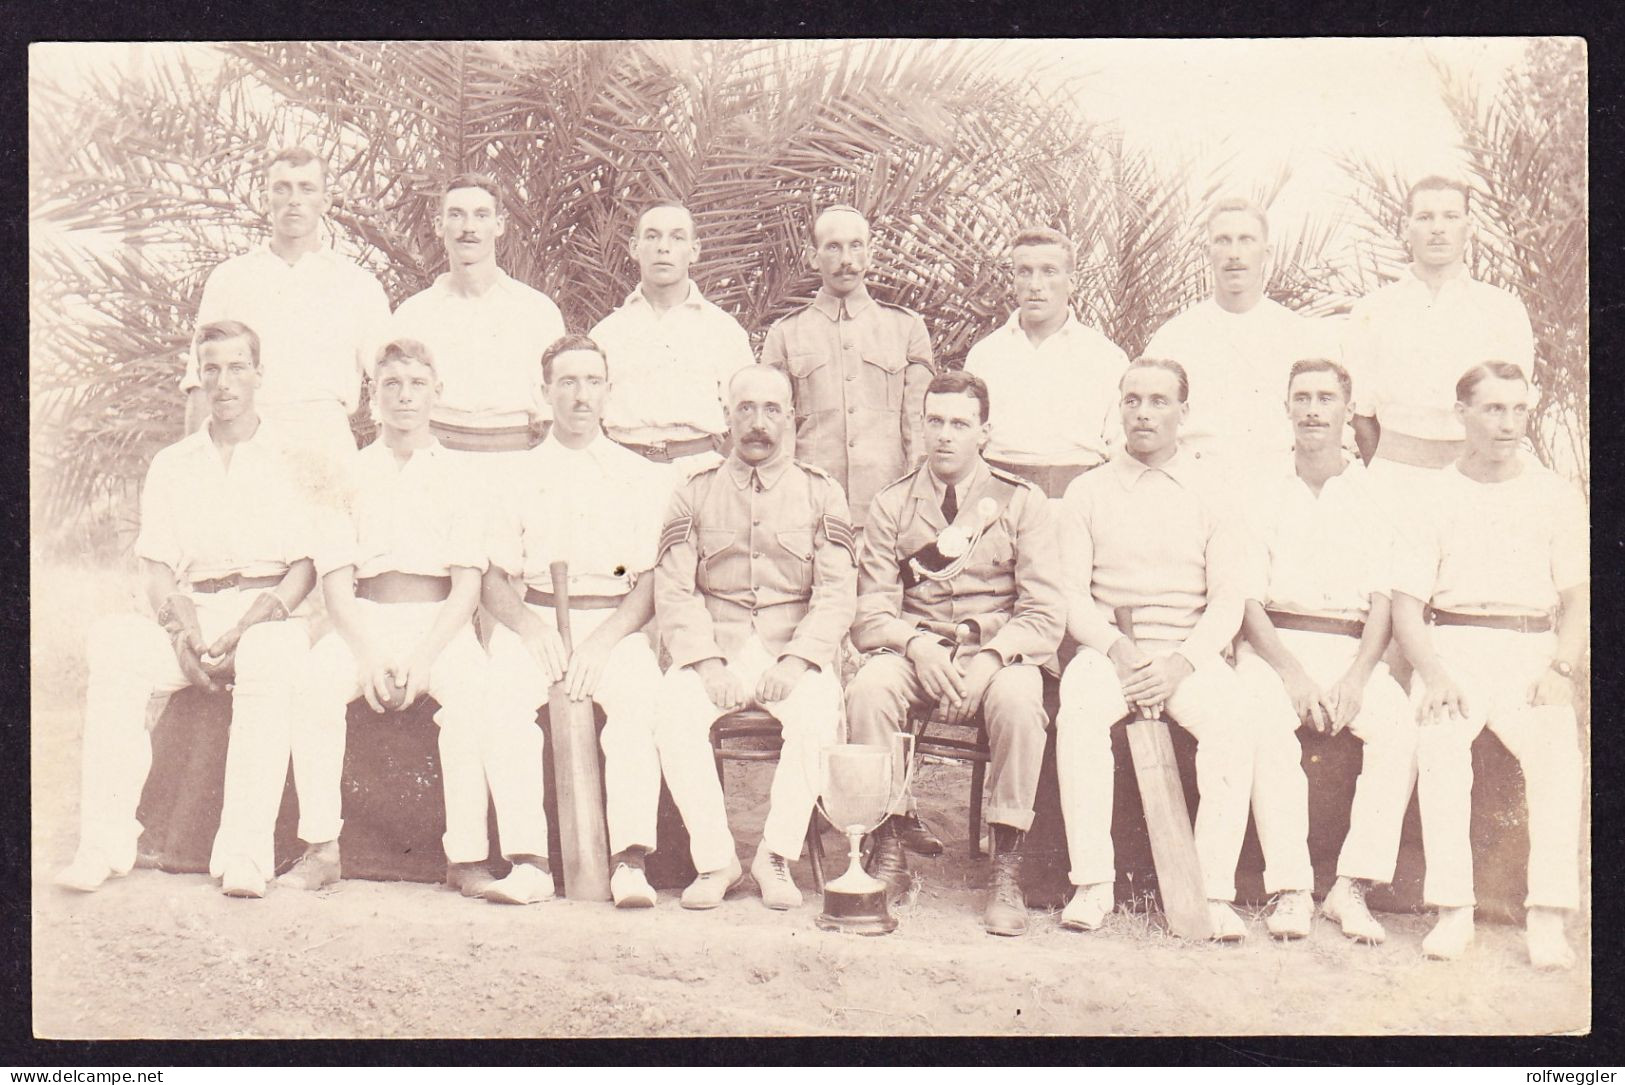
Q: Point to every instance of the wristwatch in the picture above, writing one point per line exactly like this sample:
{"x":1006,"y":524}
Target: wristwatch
{"x":1563,"y":667}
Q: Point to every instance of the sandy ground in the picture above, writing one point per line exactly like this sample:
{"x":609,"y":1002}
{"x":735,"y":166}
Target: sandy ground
{"x":161,"y":955}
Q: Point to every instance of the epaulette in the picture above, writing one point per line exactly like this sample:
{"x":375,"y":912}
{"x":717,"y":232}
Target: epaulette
{"x":894,"y":305}
{"x":907,"y":476}
{"x":1011,"y":477}
{"x":709,"y":469}
{"x":814,"y":469}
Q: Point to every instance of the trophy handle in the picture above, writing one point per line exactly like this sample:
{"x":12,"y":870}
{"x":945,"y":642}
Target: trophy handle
{"x":902,"y":766}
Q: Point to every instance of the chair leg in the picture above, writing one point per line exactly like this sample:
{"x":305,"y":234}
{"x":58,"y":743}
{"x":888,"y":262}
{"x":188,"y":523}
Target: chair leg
{"x":815,"y":852}
{"x":978,"y":773}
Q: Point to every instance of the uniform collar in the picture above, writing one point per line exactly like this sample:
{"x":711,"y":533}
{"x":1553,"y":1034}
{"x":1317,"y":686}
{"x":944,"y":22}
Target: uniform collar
{"x":830,"y":305}
{"x":769,"y":473}
{"x":927,"y":490}
{"x":693,"y":300}
{"x":1181,"y":468}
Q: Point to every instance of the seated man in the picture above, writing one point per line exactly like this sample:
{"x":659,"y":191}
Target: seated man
{"x":596,"y":506}
{"x":401,"y":573}
{"x":225,"y":556}
{"x":1503,"y":545}
{"x":1148,"y":531}
{"x":1316,"y":623}
{"x":955,"y":545}
{"x":755,"y":584}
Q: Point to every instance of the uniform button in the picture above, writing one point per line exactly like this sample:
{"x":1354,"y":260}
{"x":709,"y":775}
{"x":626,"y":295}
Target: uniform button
{"x":846,"y":346}
{"x":851,"y":376}
{"x":851,"y":410}
{"x":756,"y":523}
{"x":757,"y":555}
{"x":853,"y":443}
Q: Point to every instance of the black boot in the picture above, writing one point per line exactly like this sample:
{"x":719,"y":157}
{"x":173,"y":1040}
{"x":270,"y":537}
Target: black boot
{"x":887,"y":860}
{"x":916,"y":837}
{"x":1006,"y":911}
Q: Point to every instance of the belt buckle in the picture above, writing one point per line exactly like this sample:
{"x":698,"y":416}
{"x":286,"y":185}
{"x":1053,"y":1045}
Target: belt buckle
{"x":660,"y":450}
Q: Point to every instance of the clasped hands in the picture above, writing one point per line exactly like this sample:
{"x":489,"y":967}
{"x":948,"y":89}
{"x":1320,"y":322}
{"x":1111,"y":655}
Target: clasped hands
{"x":1148,"y":681}
{"x":956,"y":685}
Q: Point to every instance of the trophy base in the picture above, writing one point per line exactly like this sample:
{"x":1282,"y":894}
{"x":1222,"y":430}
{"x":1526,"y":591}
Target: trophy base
{"x":855,"y":913}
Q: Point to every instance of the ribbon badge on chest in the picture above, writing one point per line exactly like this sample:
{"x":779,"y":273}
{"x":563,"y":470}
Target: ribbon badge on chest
{"x":945,"y":557}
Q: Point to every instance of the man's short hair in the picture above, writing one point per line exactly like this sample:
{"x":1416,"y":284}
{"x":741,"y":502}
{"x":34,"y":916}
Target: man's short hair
{"x":656,"y":205}
{"x":1043,"y":235}
{"x":401,"y":351}
{"x":218,"y":331}
{"x":1243,"y":205}
{"x":1168,"y":364}
{"x":1322,"y":365}
{"x":832,"y":208}
{"x":475,"y":180}
{"x":958,"y":382}
{"x":1435,"y":182}
{"x":563,"y":345}
{"x":296,"y":157}
{"x":1482,"y":372}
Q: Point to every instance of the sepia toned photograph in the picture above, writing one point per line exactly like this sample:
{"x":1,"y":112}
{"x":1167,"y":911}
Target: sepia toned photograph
{"x":734,"y":538}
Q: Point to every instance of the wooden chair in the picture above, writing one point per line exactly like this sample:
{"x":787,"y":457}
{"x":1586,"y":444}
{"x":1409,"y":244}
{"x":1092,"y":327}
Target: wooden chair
{"x":965,"y":742}
{"x":752,"y":734}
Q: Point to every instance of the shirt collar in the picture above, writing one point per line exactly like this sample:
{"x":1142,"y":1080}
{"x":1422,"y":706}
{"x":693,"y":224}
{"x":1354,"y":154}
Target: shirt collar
{"x":1181,"y":468}
{"x":200,"y":442}
{"x":1013,"y":326}
{"x":769,"y":472}
{"x":693,"y":300}
{"x":1457,"y":278}
{"x":379,"y":450}
{"x":830,"y":305}
{"x":320,"y":252}
{"x":596,"y":449}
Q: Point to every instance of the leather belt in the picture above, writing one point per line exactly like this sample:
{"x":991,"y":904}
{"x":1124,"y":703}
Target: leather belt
{"x":236,"y":580}
{"x":488,"y":438}
{"x":667,"y":451}
{"x":1518,"y":623}
{"x":1313,"y":623}
{"x":577,"y":602}
{"x":396,"y":587}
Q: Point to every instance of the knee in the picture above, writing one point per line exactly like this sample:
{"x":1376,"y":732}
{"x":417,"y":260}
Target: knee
{"x":1014,"y":703}
{"x":875,"y":696}
{"x":1091,"y":696}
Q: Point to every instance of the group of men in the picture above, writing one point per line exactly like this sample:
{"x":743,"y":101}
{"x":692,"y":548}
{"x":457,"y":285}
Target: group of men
{"x":729,"y":526}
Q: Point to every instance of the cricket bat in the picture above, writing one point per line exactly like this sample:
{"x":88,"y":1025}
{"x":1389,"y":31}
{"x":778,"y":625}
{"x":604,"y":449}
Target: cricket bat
{"x":578,"y":782}
{"x":1167,"y":819}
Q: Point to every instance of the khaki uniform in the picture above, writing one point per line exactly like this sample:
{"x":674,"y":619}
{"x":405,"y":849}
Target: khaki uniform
{"x":755,"y":564}
{"x":1008,"y":590}
{"x":859,"y":368}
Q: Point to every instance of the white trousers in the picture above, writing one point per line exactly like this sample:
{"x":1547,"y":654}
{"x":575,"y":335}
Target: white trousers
{"x":1385,"y":724}
{"x":1494,"y":669}
{"x":629,"y":693}
{"x":470,"y":740}
{"x":132,"y":673}
{"x":1211,"y":704}
{"x":810,"y":718}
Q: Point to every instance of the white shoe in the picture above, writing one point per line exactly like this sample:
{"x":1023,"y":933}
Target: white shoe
{"x":1293,"y":915}
{"x":707,"y":890}
{"x":86,"y":873}
{"x":1548,"y":946}
{"x":1227,"y":925}
{"x":1451,"y":935}
{"x":526,"y":883}
{"x":241,"y":878}
{"x":1089,"y":907}
{"x":630,"y":888}
{"x":1345,"y":905}
{"x":772,"y":873}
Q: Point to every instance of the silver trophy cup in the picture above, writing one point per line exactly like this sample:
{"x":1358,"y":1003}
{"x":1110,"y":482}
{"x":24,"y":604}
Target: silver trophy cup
{"x":858,"y":786}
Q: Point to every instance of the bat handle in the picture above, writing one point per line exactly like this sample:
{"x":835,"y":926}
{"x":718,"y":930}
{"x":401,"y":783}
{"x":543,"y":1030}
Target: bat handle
{"x":561,"y":601}
{"x":1125,"y":625}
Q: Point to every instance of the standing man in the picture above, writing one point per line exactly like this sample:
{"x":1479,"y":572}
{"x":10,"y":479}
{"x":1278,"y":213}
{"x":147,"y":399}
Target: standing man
{"x":225,"y":558}
{"x":596,"y":506}
{"x":1409,"y":342}
{"x":673,"y":350}
{"x":957,"y":546}
{"x":1237,"y":345}
{"x":401,"y":574}
{"x":1316,"y":623}
{"x":1501,"y":546}
{"x":1052,"y":378}
{"x":859,"y":367}
{"x":1147,"y":531}
{"x":755,"y":585}
{"x":319,"y":316}
{"x":485,"y":330}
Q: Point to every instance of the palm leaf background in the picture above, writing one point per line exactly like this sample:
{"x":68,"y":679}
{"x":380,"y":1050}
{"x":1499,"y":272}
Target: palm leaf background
{"x":145,"y":180}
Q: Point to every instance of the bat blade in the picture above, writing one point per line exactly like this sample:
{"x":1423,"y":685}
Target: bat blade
{"x":1167,"y":819}
{"x":578,"y":781}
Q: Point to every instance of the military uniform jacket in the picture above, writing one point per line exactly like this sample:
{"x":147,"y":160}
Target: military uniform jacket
{"x":859,"y":368}
{"x":765,"y":552}
{"x":1009,"y":587}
